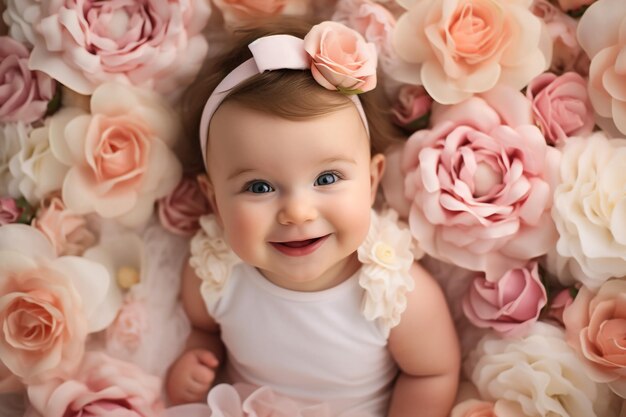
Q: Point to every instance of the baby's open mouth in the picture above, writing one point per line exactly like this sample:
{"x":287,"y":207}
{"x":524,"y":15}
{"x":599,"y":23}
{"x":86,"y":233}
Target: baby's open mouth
{"x":300,"y":243}
{"x":299,"y":247}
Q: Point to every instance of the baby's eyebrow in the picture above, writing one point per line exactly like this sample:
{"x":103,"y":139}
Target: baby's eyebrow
{"x":239,"y":172}
{"x":338,"y":159}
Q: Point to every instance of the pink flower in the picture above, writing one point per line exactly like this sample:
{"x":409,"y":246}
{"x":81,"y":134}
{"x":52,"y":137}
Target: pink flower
{"x":509,"y":305}
{"x":342,"y":59}
{"x":595,"y":326}
{"x":9,"y":211}
{"x":473,"y":408}
{"x":101,"y":387}
{"x":126,"y":332}
{"x":412,"y":104}
{"x":47,"y":305}
{"x":24,"y":94}
{"x":153,"y":44}
{"x":561,"y":106}
{"x":558,"y":305}
{"x":604,"y":40}
{"x":180,"y":211}
{"x":458,"y":48}
{"x":568,"y":5}
{"x":67,"y":231}
{"x":480,"y":184}
{"x":567,"y":55}
{"x":119,"y":156}
{"x":237,"y":12}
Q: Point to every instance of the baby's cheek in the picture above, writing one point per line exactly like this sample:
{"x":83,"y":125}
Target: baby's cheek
{"x":244,"y":230}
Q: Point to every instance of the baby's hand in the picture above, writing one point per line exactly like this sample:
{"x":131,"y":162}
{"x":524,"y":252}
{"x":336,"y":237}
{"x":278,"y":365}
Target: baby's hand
{"x":191,"y":376}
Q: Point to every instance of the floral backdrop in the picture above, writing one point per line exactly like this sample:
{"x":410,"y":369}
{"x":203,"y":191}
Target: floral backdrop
{"x":512,"y":179}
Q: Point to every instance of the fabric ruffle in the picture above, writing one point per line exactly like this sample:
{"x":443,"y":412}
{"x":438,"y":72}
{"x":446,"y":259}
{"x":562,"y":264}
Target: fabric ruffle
{"x":211,"y":258}
{"x":387,"y":256}
{"x":242,"y":400}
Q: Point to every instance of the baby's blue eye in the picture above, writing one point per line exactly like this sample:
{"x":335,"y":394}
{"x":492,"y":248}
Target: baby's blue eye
{"x":259,"y":187}
{"x":327,"y":178}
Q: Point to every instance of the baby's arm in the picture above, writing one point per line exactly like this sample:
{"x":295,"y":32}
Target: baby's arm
{"x":426,"y":349}
{"x":192,"y":374}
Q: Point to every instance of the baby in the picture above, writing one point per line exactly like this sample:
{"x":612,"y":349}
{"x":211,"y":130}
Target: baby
{"x":295,"y":283}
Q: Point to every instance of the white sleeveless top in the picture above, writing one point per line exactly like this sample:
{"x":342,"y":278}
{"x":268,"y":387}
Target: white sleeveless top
{"x":328,"y":346}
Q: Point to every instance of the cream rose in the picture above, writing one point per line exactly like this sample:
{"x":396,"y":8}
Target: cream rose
{"x":601,"y":35}
{"x":238,"y":12}
{"x":457,"y":48}
{"x":119,"y":156}
{"x":153,"y":44}
{"x":341,"y":59}
{"x":538,"y":375}
{"x":589,"y":212}
{"x":595,"y":325}
{"x":48,"y":305}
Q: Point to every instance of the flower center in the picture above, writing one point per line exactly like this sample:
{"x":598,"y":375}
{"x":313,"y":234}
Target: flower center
{"x":485,"y":179}
{"x":127,"y":276}
{"x":384,"y":252}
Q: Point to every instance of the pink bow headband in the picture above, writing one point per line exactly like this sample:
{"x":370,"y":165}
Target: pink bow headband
{"x":338,"y":57}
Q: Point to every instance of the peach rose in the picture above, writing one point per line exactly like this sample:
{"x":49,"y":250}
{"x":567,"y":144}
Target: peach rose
{"x":101,"y":387}
{"x":595,"y":326}
{"x":24,"y":94}
{"x":561,"y":106}
{"x":67,"y":231}
{"x":342,"y":59}
{"x":119,"y":157}
{"x":238,"y":12}
{"x":458,"y":48}
{"x":153,"y":44}
{"x":480,"y":184}
{"x":601,"y":35}
{"x":180,"y":211}
{"x":9,"y":211}
{"x":48,"y":305}
{"x":411,"y":107}
{"x":511,"y":304}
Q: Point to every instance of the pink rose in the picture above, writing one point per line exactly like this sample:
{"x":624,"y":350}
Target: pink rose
{"x":154,"y":44}
{"x":480,"y":184}
{"x":561,"y":106}
{"x":126,"y":332}
{"x":101,"y":387}
{"x":595,"y":326}
{"x":342,"y":59}
{"x":67,"y":231}
{"x":568,"y":5}
{"x":119,"y":156}
{"x":237,"y":12}
{"x":558,"y":305}
{"x":473,"y":408}
{"x":510,"y":305}
{"x":412,"y":104}
{"x":567,"y":55}
{"x":457,"y":48}
{"x":24,"y":94}
{"x":9,"y":211}
{"x":604,"y":41}
{"x":180,"y":211}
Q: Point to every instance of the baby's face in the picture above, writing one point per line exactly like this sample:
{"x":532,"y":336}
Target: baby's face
{"x":293,"y":197}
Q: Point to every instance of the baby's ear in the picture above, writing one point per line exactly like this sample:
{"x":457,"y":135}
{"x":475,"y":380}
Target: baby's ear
{"x":209,"y":192}
{"x":377,"y":168}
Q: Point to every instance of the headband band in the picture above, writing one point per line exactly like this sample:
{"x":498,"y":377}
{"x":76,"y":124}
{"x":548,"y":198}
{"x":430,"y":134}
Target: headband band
{"x":268,"y":53}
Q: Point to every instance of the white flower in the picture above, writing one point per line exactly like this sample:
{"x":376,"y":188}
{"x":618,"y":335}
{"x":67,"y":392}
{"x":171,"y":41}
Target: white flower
{"x":211,"y":258}
{"x":21,"y":17}
{"x":11,"y":135}
{"x":386,"y":255}
{"x":539,"y":376}
{"x":590,"y":208}
{"x":35,"y":169}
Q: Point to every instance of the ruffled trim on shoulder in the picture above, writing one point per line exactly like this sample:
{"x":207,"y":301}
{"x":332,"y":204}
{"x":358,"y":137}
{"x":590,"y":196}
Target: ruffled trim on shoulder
{"x":387,"y":256}
{"x":211,"y":258}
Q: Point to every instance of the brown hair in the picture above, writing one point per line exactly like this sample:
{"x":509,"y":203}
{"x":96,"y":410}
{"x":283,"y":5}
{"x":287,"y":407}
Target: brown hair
{"x":291,"y":94}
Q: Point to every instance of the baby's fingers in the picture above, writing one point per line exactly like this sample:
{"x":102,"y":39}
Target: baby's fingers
{"x":207,"y":358}
{"x":203,"y":376}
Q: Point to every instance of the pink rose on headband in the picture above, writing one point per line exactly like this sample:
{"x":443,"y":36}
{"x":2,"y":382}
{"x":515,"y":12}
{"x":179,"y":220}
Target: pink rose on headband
{"x":154,"y":44}
{"x":238,"y":12}
{"x":180,"y":211}
{"x":341,"y":59}
{"x":102,"y":387}
{"x":24,"y":94}
{"x":509,"y":305}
